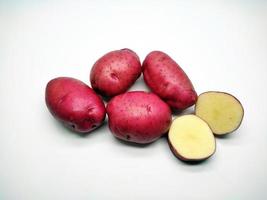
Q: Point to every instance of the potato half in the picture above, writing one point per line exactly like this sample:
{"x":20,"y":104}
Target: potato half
{"x":191,"y":139}
{"x":222,"y":111}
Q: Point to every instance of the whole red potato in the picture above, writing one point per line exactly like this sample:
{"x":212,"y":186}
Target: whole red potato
{"x":168,"y":80}
{"x":115,"y":72}
{"x":75,"y":104}
{"x":138,"y":117}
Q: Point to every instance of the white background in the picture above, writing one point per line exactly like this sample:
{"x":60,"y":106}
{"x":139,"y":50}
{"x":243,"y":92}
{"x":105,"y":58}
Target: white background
{"x":222,"y":45}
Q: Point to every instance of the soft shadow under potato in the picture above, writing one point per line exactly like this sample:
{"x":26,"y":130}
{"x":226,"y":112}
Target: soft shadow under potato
{"x":132,"y":144}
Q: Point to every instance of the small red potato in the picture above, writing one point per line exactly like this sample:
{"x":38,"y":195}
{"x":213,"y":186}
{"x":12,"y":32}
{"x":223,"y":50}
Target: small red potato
{"x":115,"y":72}
{"x":167,"y":79}
{"x":138,"y":117}
{"x":75,"y":104}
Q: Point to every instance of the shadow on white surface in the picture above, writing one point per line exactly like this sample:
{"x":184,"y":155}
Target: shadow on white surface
{"x":237,"y":138}
{"x":132,"y":144}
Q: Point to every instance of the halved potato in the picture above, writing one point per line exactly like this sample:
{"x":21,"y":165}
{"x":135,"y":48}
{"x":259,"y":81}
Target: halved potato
{"x":191,"y":139}
{"x":222,"y":111}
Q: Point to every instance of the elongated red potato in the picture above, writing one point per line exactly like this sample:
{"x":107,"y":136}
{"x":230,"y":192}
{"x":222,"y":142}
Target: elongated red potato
{"x":167,"y":79}
{"x":75,"y":104}
{"x":138,"y":117}
{"x":115,"y":72}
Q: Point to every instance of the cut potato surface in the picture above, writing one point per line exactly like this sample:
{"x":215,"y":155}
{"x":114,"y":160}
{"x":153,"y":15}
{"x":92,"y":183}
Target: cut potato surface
{"x":222,"y":111}
{"x":191,"y":139}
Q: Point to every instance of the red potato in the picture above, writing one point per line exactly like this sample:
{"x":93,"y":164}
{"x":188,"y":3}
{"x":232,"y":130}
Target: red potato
{"x":75,"y":104}
{"x":115,"y":72}
{"x":222,"y":111}
{"x":138,"y":117}
{"x":167,"y":79}
{"x":191,"y":139}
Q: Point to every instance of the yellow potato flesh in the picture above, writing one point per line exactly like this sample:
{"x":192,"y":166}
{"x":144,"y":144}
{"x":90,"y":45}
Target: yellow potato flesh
{"x":191,"y":138}
{"x":221,"y":111}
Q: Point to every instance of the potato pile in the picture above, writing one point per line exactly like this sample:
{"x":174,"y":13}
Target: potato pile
{"x":143,"y":117}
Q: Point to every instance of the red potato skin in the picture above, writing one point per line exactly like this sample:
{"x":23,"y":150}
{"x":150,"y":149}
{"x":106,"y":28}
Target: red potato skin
{"x":115,"y":72}
{"x":138,"y":117}
{"x":168,"y":80}
{"x":75,"y":104}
